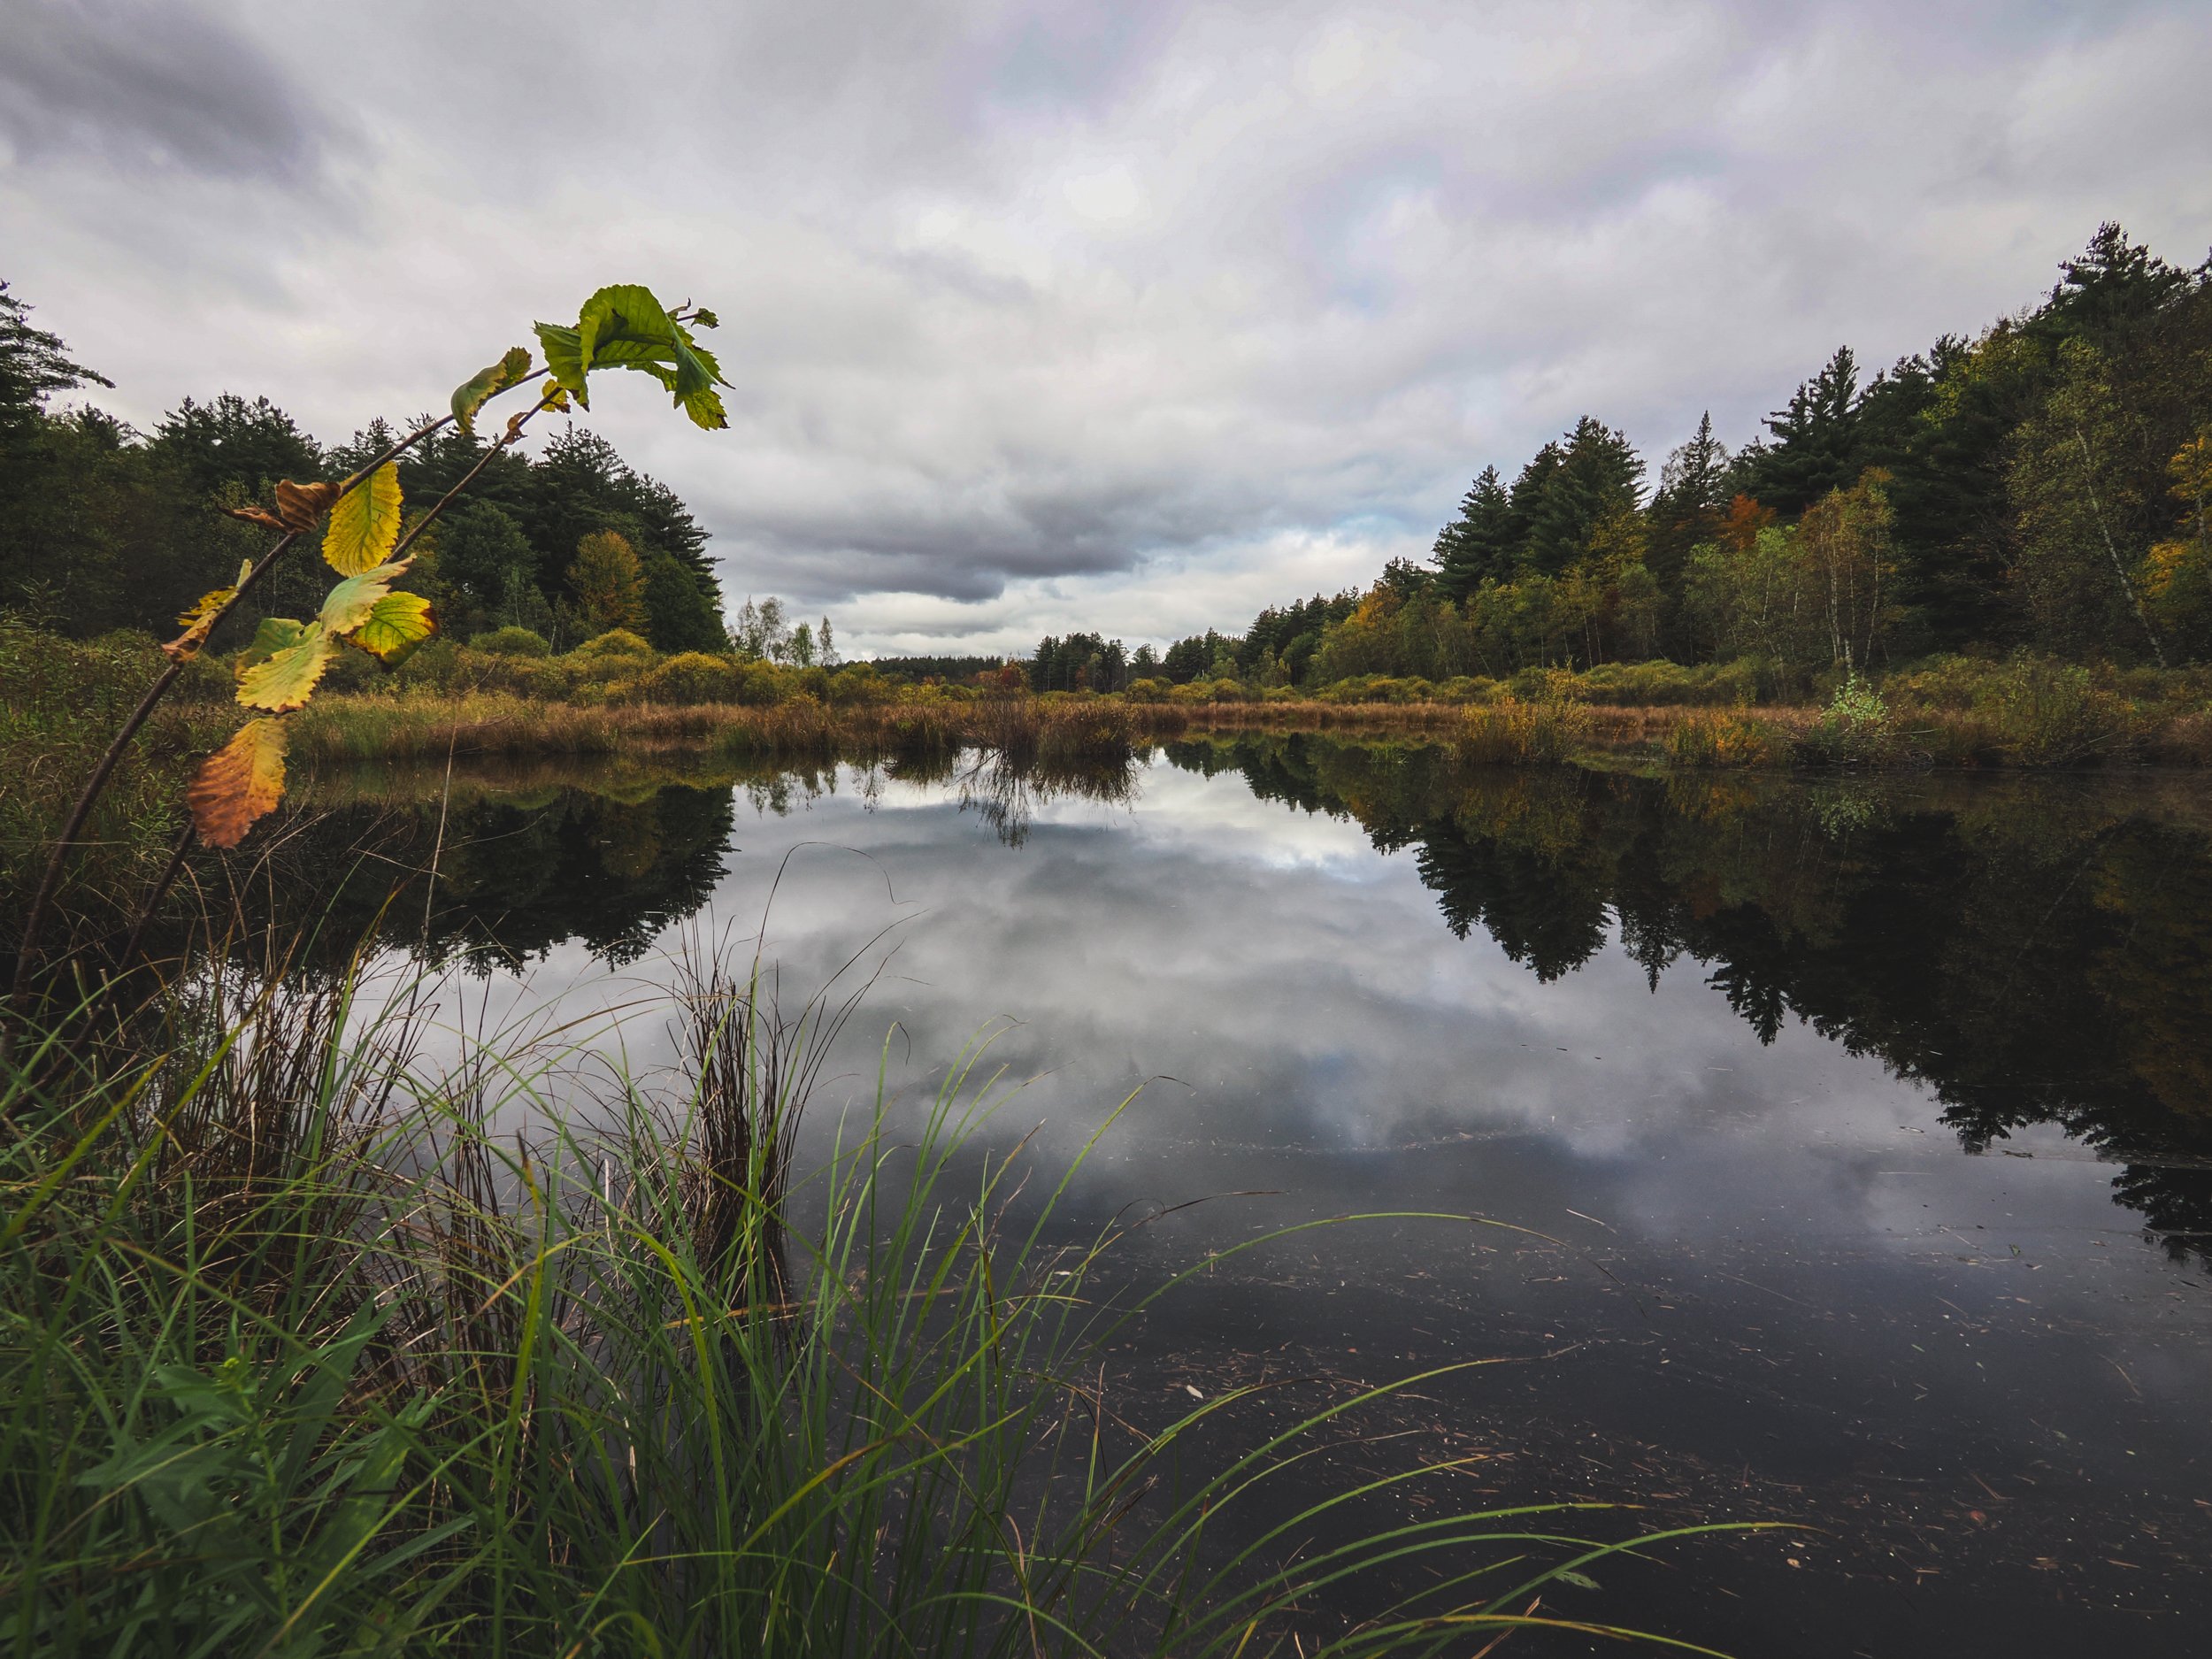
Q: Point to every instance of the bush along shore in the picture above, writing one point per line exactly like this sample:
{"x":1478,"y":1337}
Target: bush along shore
{"x":2017,"y":712}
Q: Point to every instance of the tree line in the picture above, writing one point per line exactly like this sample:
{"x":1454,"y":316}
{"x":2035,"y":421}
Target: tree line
{"x":2044,"y":485}
{"x":102,"y":526}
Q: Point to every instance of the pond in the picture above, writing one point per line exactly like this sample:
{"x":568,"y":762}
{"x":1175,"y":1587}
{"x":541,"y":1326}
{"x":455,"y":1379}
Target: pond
{"x":1854,"y":1140}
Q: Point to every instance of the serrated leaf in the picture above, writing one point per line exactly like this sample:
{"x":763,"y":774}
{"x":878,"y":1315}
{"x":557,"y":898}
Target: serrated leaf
{"x":197,"y":623}
{"x":469,"y":396}
{"x":345,"y":605}
{"x":273,"y":634}
{"x":239,"y":783}
{"x":287,"y":680}
{"x":299,"y":505}
{"x":705,"y":318}
{"x":625,"y":326}
{"x":364,"y":523}
{"x":395,"y":624}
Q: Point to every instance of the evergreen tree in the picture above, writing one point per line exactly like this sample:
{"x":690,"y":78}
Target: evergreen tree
{"x":1598,"y":475}
{"x":231,"y":443}
{"x":1685,"y":511}
{"x":1478,"y":546}
{"x":1815,"y":447}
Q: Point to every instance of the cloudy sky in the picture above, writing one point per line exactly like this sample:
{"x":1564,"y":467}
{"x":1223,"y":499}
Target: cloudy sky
{"x":1134,"y":316}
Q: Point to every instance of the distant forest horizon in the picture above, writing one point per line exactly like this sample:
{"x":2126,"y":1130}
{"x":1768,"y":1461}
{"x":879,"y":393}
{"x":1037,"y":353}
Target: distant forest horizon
{"x":2042,"y":486}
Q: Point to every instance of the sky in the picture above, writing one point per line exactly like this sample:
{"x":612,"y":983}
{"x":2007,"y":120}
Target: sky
{"x":1133,"y":316}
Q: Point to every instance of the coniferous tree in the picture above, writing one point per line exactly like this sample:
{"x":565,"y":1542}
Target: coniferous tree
{"x":1598,"y":475}
{"x":1478,"y":546}
{"x":1815,"y":447}
{"x":1686,"y":509}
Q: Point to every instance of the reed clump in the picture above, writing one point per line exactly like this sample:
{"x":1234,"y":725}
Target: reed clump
{"x":1731,"y":740}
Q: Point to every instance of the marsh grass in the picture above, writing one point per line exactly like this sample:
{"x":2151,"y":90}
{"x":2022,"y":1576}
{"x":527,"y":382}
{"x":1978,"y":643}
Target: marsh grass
{"x":60,"y":701}
{"x":311,"y":1346}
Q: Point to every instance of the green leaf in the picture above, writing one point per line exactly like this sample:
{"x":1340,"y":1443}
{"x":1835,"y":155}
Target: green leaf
{"x":471,"y":394}
{"x":364,"y":523}
{"x":564,"y":360}
{"x":624,"y":326}
{"x":273,"y":634}
{"x":287,"y":678}
{"x":352,"y":599}
{"x":395,"y":624}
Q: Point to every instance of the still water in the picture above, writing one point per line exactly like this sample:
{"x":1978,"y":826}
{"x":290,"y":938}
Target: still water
{"x":1860,"y":1137}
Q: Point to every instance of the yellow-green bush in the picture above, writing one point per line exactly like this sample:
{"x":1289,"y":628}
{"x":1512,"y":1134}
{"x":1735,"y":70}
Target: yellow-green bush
{"x":1513,"y":732}
{"x":613,"y":642}
{"x":1727,"y":740}
{"x":690,"y":677}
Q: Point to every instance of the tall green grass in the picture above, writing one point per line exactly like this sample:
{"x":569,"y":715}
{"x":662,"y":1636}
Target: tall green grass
{"x":309,"y":1345}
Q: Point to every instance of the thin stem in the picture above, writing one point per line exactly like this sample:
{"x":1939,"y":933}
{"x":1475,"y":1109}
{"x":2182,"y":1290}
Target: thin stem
{"x":56,"y":861}
{"x":161,"y":891}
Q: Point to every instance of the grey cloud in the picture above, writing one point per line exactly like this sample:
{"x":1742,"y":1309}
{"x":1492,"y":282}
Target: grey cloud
{"x":152,"y":86}
{"x":1019,"y":292}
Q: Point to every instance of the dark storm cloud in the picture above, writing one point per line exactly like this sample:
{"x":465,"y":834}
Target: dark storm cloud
{"x":1133,"y":316}
{"x":150,"y":85}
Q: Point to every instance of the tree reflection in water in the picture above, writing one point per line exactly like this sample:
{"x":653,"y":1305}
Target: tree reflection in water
{"x":2033,"y":952}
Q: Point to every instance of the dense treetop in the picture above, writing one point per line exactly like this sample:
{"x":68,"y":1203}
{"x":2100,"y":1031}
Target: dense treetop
{"x":103,"y":527}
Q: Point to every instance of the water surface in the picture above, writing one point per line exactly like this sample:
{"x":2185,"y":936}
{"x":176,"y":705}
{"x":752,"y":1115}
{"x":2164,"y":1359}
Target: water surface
{"x":1858,"y":1136}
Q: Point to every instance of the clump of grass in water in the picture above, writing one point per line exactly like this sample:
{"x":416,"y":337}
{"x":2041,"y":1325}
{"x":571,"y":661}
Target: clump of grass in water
{"x":306,"y":1354}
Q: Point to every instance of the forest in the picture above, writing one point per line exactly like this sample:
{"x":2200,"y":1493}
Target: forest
{"x":104,"y":528}
{"x":2041,"y":487}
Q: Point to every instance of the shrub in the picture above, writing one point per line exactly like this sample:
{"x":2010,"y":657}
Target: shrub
{"x":511,"y":641}
{"x":1855,"y":730}
{"x":691,"y":676}
{"x":1512,"y":731}
{"x":859,"y":685}
{"x":2051,"y":714}
{"x":613,"y":642}
{"x":1729,"y":739}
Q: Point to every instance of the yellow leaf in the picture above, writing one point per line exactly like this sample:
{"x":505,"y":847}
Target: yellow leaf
{"x":287,"y":680}
{"x":364,"y":523}
{"x":209,"y":604}
{"x":395,"y":624}
{"x":197,"y":623}
{"x":239,"y":782}
{"x":352,"y":599}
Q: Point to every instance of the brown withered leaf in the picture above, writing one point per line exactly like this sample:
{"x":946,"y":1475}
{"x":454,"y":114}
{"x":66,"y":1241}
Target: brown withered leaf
{"x":300,"y":505}
{"x":261,"y":515}
{"x":238,"y":784}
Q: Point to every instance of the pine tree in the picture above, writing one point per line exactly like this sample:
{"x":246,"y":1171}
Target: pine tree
{"x":1687,"y":510}
{"x":1598,"y":476}
{"x":1477,"y":546}
{"x":1815,"y":447}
